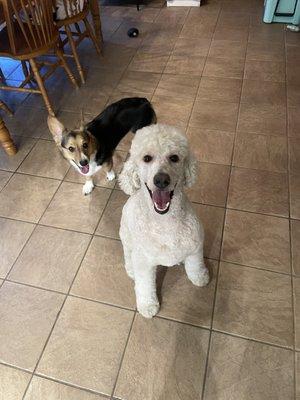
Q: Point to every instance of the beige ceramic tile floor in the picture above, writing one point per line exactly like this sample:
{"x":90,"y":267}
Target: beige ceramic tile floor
{"x":68,"y":325}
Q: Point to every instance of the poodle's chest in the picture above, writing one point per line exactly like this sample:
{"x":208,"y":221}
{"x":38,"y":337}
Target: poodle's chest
{"x":170,"y":245}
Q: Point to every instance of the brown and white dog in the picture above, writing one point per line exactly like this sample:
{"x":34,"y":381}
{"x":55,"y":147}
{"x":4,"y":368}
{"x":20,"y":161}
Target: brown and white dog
{"x":91,"y":147}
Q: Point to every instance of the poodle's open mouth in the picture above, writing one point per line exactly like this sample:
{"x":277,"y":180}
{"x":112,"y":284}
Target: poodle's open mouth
{"x":161,"y":199}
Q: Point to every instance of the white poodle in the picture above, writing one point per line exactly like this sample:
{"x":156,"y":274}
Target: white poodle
{"x":159,"y":225}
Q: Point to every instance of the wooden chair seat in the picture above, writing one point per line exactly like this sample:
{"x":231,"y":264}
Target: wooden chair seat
{"x":24,"y":51}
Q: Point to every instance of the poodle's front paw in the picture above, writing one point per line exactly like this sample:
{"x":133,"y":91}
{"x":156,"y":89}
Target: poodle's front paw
{"x":201,"y":278}
{"x":110,"y":175}
{"x":148,"y":310}
{"x":88,"y":187}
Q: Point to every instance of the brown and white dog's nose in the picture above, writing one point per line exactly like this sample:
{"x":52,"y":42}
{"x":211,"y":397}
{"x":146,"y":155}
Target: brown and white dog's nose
{"x":83,"y":162}
{"x":161,"y":180}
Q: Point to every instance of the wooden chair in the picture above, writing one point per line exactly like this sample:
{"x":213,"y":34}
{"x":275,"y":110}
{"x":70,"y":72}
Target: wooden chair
{"x":30,"y":33}
{"x":74,"y":12}
{"x":5,"y":138}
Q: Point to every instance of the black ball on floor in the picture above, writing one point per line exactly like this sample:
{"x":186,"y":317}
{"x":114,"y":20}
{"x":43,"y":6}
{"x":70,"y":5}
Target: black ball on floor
{"x":133,"y":32}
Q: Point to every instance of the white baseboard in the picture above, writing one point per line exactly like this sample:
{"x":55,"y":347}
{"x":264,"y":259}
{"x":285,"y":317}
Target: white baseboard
{"x":183,"y":3}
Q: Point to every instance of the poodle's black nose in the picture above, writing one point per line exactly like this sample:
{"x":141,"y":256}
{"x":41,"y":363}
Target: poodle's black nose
{"x":83,"y":162}
{"x":161,"y":180}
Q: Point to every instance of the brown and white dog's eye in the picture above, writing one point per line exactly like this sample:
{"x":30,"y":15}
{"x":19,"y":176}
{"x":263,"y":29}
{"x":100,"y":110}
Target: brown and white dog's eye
{"x":85,"y":145}
{"x":71,"y":149}
{"x":174,"y":158}
{"x":147,"y":158}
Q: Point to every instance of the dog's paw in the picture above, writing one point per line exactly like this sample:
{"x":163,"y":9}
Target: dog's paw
{"x":88,"y":187}
{"x":130,"y":273}
{"x":201,"y":278}
{"x":148,"y":310}
{"x":110,"y":175}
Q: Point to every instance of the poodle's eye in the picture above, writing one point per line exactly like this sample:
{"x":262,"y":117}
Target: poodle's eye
{"x":174,"y":158}
{"x":85,"y":145}
{"x":71,"y":149}
{"x":147,"y":158}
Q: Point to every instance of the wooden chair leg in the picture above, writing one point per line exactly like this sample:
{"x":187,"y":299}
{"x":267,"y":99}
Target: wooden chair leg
{"x":92,"y":35}
{"x":41,"y":86}
{"x":95,"y":11}
{"x":5,"y":108}
{"x":6,"y":140}
{"x":74,"y":51}
{"x":60,"y":55}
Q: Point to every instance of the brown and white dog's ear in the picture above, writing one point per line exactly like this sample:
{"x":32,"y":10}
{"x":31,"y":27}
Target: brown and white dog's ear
{"x":56,"y":128}
{"x":190,"y":170}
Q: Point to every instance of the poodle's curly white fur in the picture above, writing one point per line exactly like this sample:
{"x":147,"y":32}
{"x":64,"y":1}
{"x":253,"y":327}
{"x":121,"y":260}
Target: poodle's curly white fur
{"x":149,"y":238}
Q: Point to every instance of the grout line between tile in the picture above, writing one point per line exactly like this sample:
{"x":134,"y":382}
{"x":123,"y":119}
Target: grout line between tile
{"x":123,"y":355}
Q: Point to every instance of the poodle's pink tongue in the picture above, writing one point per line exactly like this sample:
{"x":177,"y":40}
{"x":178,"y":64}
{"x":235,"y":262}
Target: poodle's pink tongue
{"x":161,"y":199}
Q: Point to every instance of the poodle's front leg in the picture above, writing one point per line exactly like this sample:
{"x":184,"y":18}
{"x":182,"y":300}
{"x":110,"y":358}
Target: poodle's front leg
{"x":196,"y":269}
{"x":128,"y":261}
{"x":145,"y":286}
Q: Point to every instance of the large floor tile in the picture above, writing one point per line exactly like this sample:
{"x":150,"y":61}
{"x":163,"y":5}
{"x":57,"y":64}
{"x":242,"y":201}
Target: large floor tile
{"x":267,"y":33}
{"x":243,"y":369}
{"x":24,"y":145}
{"x":12,"y":383}
{"x":45,"y":160}
{"x":172,"y":347}
{"x":41,"y":388}
{"x":262,"y":118}
{"x":211,"y":185}
{"x":268,"y":93}
{"x":221,"y":48}
{"x":211,"y":146}
{"x":138,"y":81}
{"x":212,"y":219}
{"x":293,"y":122}
{"x":295,"y":196}
{"x":181,"y":300}
{"x":182,"y":65}
{"x":94,"y":336}
{"x":295,"y":238}
{"x":297,"y":355}
{"x":14,"y":235}
{"x":232,"y":33}
{"x":257,"y":240}
{"x":258,"y":191}
{"x":294,"y":155}
{"x":191,"y":47}
{"x":70,"y":209}
{"x":167,"y":107}
{"x":262,"y":51}
{"x":261,"y":152}
{"x":214,"y":115}
{"x":179,"y":86}
{"x":201,"y":30}
{"x":4,"y":178}
{"x":220,"y":89}
{"x":50,"y":259}
{"x":265,"y":71}
{"x":102,"y":275}
{"x":293,"y":95}
{"x":255,"y":304}
{"x":220,"y":68}
{"x":26,"y":197}
{"x":27,"y":121}
{"x":296,"y":285}
{"x":149,"y":62}
{"x":26,"y":318}
{"x":109,"y":224}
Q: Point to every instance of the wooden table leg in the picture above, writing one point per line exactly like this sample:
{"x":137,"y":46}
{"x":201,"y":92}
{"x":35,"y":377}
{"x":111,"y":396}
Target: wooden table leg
{"x":95,"y":11}
{"x":6,"y":140}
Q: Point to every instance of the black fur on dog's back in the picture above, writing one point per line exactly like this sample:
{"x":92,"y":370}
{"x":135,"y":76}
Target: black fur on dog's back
{"x":109,"y":127}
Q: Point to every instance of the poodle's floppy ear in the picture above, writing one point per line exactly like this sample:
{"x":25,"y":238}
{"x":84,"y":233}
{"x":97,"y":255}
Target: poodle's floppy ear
{"x":128,"y":179}
{"x":190,"y":170}
{"x":56,"y":128}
